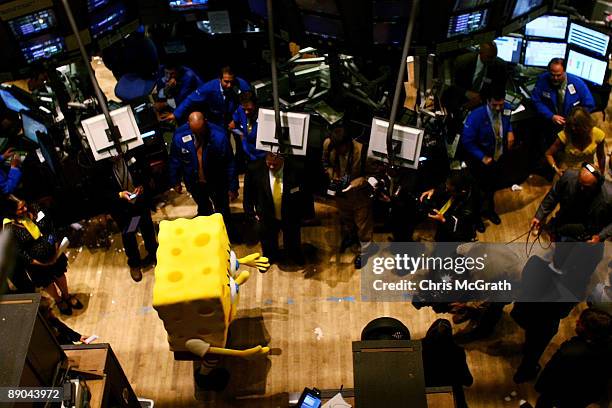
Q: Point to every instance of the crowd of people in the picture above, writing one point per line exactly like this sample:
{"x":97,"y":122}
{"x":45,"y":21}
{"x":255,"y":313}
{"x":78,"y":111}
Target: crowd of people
{"x":215,"y":141}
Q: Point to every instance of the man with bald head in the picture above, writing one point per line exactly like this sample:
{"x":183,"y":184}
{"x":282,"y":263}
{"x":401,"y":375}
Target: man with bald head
{"x":476,"y":74}
{"x":202,"y":157}
{"x":585,"y":201}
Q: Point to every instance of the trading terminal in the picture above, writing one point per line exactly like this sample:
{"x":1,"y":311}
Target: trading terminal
{"x":299,"y":203}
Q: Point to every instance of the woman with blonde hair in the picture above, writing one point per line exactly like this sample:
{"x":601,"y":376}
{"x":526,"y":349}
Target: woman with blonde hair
{"x":580,"y":141}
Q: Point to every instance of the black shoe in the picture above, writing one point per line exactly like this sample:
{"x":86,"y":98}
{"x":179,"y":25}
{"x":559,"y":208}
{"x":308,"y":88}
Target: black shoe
{"x":525,"y":374}
{"x":345,"y":244}
{"x":136,"y":273}
{"x":149,"y":260}
{"x":64,"y":307}
{"x":493,"y":217}
{"x":480,"y":227}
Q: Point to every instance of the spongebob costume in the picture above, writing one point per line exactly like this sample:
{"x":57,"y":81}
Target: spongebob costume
{"x":197,"y":283}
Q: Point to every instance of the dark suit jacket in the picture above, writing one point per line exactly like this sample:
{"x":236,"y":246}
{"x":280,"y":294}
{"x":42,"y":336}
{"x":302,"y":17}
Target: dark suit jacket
{"x":460,"y":218}
{"x":465,"y":66}
{"x":258,"y":192}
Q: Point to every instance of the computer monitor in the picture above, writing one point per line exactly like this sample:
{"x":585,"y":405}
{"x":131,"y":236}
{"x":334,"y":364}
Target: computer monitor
{"x":96,"y":4}
{"x":42,"y":47}
{"x":466,"y":23}
{"x":389,"y":33}
{"x":31,"y":126}
{"x":259,"y":8}
{"x":105,"y":21}
{"x":547,"y":27}
{"x":188,"y":5}
{"x":509,"y":49}
{"x":522,"y":7}
{"x":589,"y":39}
{"x":539,"y":53}
{"x":319,"y":6}
{"x":95,"y":130}
{"x":298,"y":124}
{"x":323,"y":26}
{"x":32,"y":23}
{"x":461,"y":5}
{"x":586,"y":67}
{"x":390,"y":9}
{"x":11,"y":102}
{"x":407,"y":143}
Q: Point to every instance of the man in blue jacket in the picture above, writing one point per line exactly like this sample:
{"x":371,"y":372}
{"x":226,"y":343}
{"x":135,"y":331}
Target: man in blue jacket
{"x":557,"y":92}
{"x":218,"y":99}
{"x":9,"y":181}
{"x":487,"y":135}
{"x":174,"y":84}
{"x":201,"y":156}
{"x":245,"y":124}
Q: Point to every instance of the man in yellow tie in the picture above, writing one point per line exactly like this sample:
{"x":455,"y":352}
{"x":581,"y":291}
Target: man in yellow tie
{"x":274,"y":198}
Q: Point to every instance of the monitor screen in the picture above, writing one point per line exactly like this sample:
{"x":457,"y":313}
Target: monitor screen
{"x":539,"y":53}
{"x":461,"y":5}
{"x":259,"y":8}
{"x":323,"y":26}
{"x":589,"y":39}
{"x":31,"y":126}
{"x":386,"y":9}
{"x":389,"y":33}
{"x":547,"y":27}
{"x":319,"y":6}
{"x":11,"y":102}
{"x":523,"y":7}
{"x":589,"y":68}
{"x":107,"y":20}
{"x":183,"y":5}
{"x":42,"y":47}
{"x":509,"y":49}
{"x":32,"y":23}
{"x":467,"y":23}
{"x":96,"y":4}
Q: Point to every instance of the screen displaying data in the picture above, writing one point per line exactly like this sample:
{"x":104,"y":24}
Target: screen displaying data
{"x":106,"y":21}
{"x":509,"y":49}
{"x":32,"y":23}
{"x":468,"y":23}
{"x":461,"y":5}
{"x":589,"y":68}
{"x":181,"y":5}
{"x":42,"y":48}
{"x":96,"y":4}
{"x":547,"y":27}
{"x":539,"y":53}
{"x":589,"y":39}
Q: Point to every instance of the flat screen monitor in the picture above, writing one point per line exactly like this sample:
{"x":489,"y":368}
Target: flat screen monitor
{"x":586,"y":67}
{"x":32,"y":23}
{"x":589,"y":39}
{"x":461,"y":5}
{"x":31,"y":126}
{"x":389,"y":33}
{"x":259,"y":8}
{"x":319,"y":6}
{"x":547,"y":27}
{"x":466,"y":23}
{"x":407,"y":143}
{"x":539,"y":53}
{"x":188,"y":5}
{"x":11,"y":102}
{"x":96,"y":4}
{"x":522,"y":7}
{"x":107,"y":20}
{"x":297,"y":123}
{"x":95,"y":130}
{"x":386,"y":9}
{"x":509,"y":49}
{"x":42,"y":47}
{"x":323,"y":26}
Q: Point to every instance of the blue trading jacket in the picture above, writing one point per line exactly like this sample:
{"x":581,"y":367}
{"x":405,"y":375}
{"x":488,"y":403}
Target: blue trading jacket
{"x":478,"y":137}
{"x":544,"y":96}
{"x":187,"y":82}
{"x":249,"y":138}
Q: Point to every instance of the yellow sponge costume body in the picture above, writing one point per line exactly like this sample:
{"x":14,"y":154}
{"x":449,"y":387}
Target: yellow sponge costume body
{"x":195,"y":292}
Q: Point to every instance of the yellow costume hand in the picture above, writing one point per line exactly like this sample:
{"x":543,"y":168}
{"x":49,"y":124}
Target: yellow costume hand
{"x":256,"y":261}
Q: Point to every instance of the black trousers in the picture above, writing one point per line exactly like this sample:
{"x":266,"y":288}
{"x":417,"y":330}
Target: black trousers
{"x":292,"y":239}
{"x":213,"y":198}
{"x":488,"y":179}
{"x":146,"y":228}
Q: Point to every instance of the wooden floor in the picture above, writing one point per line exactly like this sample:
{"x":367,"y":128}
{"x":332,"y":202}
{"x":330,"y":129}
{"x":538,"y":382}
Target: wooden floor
{"x":308,"y":317}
